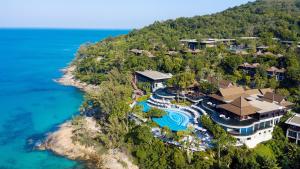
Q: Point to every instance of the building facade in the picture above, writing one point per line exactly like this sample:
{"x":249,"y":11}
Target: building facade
{"x":246,"y":114}
{"x":293,"y":131}
{"x":155,"y":78}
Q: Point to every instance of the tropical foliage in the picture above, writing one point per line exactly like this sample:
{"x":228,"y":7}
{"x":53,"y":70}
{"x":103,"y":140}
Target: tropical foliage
{"x":110,"y":64}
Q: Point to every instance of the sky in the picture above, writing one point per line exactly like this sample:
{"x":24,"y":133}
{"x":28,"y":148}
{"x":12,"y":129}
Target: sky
{"x":105,"y":14}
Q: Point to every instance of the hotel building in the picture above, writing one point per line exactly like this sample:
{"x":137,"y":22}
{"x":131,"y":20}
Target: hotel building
{"x":248,"y":115}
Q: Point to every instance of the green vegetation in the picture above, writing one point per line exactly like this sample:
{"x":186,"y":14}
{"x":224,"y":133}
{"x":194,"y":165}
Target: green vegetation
{"x":110,"y":64}
{"x":156,"y":113}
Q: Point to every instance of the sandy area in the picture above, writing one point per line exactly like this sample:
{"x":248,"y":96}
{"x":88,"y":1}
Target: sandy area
{"x":68,"y":79}
{"x":60,"y":142}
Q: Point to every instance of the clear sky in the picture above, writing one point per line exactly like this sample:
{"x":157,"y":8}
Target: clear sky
{"x":103,"y":13}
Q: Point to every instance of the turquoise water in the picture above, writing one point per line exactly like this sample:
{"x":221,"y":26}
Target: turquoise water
{"x":145,"y":106}
{"x":31,"y":103}
{"x":174,"y":119}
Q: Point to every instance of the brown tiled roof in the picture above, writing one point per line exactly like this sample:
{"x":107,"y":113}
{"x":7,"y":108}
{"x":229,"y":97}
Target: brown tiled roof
{"x":265,"y":90}
{"x":240,"y":107}
{"x":286,"y":103}
{"x":232,"y":91}
{"x":252,"y":92}
{"x":217,"y":97}
{"x":270,"y":97}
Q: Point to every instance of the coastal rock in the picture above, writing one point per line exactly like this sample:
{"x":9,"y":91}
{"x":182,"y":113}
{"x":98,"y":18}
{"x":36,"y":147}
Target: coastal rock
{"x":68,"y":79}
{"x":60,"y":142}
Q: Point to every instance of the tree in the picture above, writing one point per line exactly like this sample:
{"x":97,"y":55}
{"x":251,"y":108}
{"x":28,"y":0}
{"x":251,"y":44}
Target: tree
{"x":273,"y":83}
{"x":283,"y":92}
{"x":222,"y":140}
{"x":156,"y":113}
{"x":231,"y":63}
{"x":179,"y":159}
{"x":181,"y":81}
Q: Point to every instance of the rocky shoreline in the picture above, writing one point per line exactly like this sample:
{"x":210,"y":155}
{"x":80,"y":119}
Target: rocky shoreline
{"x":68,"y":79}
{"x":60,"y":142}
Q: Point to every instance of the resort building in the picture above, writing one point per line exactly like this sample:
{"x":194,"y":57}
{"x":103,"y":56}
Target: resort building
{"x":209,"y":43}
{"x":287,"y":43}
{"x":262,"y":49}
{"x":279,"y":74}
{"x":293,"y":131}
{"x":248,"y":68}
{"x":248,"y":115}
{"x":155,"y":78}
{"x":191,"y":44}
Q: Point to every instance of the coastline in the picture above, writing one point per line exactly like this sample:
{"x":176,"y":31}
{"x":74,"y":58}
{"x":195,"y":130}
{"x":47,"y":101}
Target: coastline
{"x":68,"y":79}
{"x":60,"y":142}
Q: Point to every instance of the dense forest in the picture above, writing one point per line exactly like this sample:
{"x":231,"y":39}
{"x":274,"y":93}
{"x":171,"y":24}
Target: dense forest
{"x":111,"y":63}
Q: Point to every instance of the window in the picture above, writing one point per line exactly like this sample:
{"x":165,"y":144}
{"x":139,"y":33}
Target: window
{"x":292,"y":134}
{"x":249,"y":138}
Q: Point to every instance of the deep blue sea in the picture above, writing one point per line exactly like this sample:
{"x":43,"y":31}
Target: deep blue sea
{"x":31,"y":103}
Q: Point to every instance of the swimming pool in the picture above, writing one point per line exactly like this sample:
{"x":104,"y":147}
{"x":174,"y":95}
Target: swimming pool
{"x":145,"y":106}
{"x":175,"y":119}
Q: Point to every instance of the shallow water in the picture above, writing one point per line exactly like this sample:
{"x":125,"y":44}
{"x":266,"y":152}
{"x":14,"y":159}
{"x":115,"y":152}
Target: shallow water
{"x":31,"y":103}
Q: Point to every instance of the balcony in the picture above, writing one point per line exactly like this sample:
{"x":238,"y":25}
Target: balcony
{"x":226,"y":121}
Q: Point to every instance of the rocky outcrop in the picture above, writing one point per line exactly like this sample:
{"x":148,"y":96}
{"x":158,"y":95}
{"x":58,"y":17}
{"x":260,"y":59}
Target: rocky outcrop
{"x":61,"y":143}
{"x":68,"y":79}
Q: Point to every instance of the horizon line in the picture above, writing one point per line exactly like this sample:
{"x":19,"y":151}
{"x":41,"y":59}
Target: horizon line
{"x":70,"y":28}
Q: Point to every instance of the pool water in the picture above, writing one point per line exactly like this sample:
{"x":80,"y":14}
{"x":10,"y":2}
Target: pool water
{"x":175,"y":119}
{"x":145,"y":106}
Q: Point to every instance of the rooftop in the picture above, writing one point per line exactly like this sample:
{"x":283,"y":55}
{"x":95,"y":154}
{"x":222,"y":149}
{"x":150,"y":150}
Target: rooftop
{"x":271,"y":97}
{"x":155,"y":75}
{"x":294,"y":120}
{"x":240,"y":107}
{"x":275,"y":69}
{"x":248,"y":65}
{"x":189,"y":40}
{"x":264,"y":106}
{"x":220,"y":83}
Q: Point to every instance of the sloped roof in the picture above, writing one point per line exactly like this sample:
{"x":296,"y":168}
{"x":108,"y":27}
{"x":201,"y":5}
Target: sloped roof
{"x":240,"y":107}
{"x":220,"y":83}
{"x":252,"y":92}
{"x":265,"y":90}
{"x":270,"y":97}
{"x":231,"y":91}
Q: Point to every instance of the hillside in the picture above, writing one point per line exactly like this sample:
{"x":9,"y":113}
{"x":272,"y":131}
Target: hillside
{"x":274,"y":30}
{"x":263,"y":18}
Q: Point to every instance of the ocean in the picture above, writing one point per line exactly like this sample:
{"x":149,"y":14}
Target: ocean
{"x":31,"y":103}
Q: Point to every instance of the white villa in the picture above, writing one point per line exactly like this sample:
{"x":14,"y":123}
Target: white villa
{"x":293,"y":132}
{"x":155,"y":78}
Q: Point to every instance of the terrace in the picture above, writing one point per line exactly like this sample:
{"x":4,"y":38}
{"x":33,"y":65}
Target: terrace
{"x":178,"y":118}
